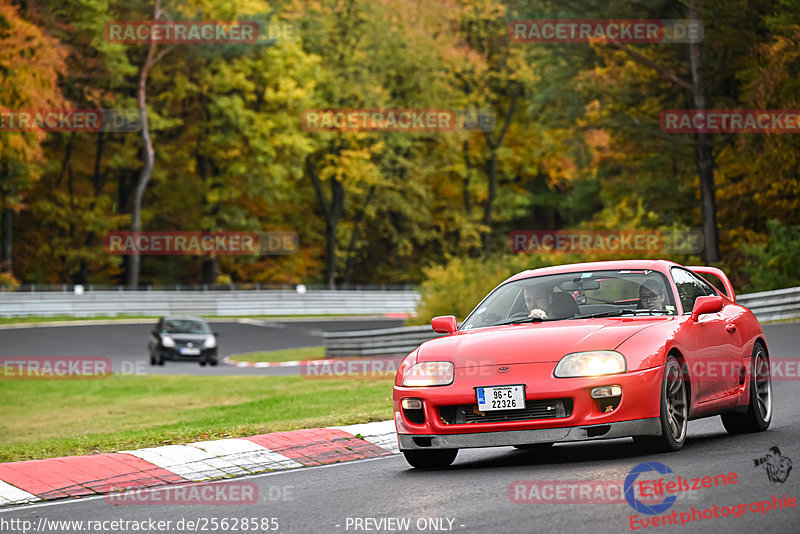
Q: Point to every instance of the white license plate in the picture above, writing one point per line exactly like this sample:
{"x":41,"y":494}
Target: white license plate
{"x":500,"y":398}
{"x":190,"y":352}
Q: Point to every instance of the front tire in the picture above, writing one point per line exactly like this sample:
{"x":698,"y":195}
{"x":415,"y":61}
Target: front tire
{"x":759,"y":410}
{"x":433,"y":459}
{"x":674,"y":411}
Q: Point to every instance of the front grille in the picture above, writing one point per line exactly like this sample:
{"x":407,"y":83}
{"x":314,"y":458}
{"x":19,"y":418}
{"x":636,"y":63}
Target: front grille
{"x":534,"y":409}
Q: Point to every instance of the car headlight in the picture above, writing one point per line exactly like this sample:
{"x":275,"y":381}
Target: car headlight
{"x":429,"y":374}
{"x":167,"y":341}
{"x":210,"y":342}
{"x":591,"y":363}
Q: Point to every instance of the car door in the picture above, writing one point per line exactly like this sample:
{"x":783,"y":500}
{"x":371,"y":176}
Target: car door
{"x":711,"y":343}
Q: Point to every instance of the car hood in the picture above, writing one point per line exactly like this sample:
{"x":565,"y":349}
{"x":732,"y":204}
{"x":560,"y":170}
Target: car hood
{"x":532,"y":343}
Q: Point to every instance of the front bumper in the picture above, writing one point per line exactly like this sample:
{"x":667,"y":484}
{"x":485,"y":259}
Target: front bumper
{"x":173,"y":354}
{"x":621,"y":429}
{"x":636,"y":414}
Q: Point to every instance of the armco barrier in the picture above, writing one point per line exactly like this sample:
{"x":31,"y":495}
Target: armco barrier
{"x":773,"y":305}
{"x":222,"y":303}
{"x":383,"y":342}
{"x":766,"y":305}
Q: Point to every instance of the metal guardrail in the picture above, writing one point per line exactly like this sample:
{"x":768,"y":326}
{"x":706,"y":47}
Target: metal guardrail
{"x":766,"y":305}
{"x":246,"y":286}
{"x":773,"y":305}
{"x":384,"y":342}
{"x":221,"y":303}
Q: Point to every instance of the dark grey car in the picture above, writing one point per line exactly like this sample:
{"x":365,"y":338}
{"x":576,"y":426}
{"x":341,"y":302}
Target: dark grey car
{"x":183,"y":339}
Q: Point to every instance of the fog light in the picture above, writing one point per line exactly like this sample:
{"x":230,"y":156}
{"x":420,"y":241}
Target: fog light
{"x":606,"y":391}
{"x":412,"y":404}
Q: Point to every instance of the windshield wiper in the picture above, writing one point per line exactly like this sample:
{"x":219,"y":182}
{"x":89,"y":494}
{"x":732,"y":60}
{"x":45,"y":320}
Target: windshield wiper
{"x":522,"y":320}
{"x":626,"y":311}
{"x":607,"y":314}
{"x":651,"y":312}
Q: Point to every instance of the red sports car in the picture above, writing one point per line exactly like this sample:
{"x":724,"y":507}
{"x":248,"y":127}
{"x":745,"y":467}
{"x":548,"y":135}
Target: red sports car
{"x":586,"y":351}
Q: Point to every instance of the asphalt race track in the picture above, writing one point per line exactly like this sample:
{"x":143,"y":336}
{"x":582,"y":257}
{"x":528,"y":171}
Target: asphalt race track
{"x":126,"y":344}
{"x":473,"y":496}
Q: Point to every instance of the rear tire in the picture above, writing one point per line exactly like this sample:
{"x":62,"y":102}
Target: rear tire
{"x":433,"y":459}
{"x":202,"y":363}
{"x":759,"y":409}
{"x":213,"y":362}
{"x":674,"y":411}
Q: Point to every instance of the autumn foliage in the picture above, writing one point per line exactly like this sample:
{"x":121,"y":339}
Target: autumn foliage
{"x":576,"y":142}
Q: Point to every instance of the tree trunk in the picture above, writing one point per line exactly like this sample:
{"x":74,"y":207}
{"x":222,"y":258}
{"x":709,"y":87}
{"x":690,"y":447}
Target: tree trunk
{"x":5,"y":240}
{"x":209,"y":266}
{"x":332,"y":209}
{"x":467,"y":179}
{"x":491,"y":176}
{"x":148,"y":154}
{"x":491,"y":169}
{"x":704,"y":156}
{"x":348,"y":268}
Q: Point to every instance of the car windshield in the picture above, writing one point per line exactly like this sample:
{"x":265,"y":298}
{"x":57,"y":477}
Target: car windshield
{"x":184,"y":326}
{"x":575,"y":295}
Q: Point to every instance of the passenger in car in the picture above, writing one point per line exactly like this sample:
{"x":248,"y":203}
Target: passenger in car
{"x":651,"y":295}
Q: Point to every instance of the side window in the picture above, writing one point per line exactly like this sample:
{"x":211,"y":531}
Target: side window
{"x":689,"y":288}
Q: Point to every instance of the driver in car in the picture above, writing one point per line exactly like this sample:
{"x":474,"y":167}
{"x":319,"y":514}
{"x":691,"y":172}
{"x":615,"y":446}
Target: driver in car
{"x":539,"y":300}
{"x":651,"y":296}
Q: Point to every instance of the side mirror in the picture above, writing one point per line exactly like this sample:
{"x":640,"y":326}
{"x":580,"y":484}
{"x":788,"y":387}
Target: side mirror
{"x":154,"y":332}
{"x":215,"y":334}
{"x":704,"y":305}
{"x":444,"y":324}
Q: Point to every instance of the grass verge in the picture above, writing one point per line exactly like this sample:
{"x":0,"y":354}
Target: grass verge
{"x":49,"y":418}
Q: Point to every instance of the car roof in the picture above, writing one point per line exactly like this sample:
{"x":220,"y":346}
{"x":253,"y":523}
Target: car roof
{"x":653,"y":265}
{"x":183,"y":318}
